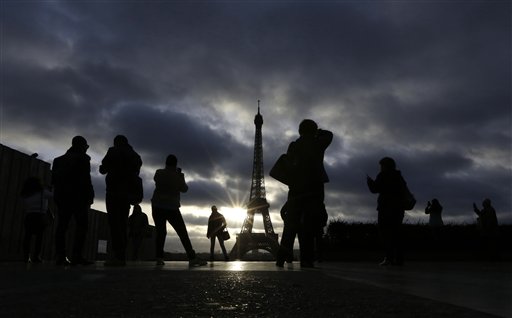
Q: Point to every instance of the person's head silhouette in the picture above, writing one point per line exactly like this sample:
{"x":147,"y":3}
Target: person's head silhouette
{"x":79,"y":142}
{"x":387,"y":164}
{"x":307,"y":128}
{"x":120,"y":140}
{"x":137,"y":209}
{"x":171,"y":161}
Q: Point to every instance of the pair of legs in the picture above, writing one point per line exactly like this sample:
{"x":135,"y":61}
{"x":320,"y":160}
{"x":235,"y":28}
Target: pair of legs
{"x":161,"y":217}
{"x":118,"y":209}
{"x":301,"y":218}
{"x":306,"y":237}
{"x":65,"y":213}
{"x":136,"y":246}
{"x":35,"y":224}
{"x":221,"y":243}
{"x":390,"y":227}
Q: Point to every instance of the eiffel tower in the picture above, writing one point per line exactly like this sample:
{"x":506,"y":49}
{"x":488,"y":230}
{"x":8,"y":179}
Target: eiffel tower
{"x":246,"y":240}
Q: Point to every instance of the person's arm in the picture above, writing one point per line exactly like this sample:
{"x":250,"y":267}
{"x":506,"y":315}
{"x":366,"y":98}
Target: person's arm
{"x":477,"y":211}
{"x":90,"y":188}
{"x":106,"y":162}
{"x":209,"y":229}
{"x":183,"y":187}
{"x":372,"y":184}
{"x":324,"y":138}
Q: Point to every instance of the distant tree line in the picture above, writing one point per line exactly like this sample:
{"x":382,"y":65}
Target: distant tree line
{"x":361,"y":241}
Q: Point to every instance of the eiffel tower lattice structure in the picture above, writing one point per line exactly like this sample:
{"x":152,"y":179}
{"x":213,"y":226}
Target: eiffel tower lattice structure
{"x":246,"y":240}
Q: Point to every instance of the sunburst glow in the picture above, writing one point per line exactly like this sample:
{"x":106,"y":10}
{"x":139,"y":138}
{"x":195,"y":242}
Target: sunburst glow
{"x":235,"y":216}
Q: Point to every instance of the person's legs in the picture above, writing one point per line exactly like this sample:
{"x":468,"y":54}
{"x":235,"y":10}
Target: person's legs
{"x":307,"y":247}
{"x":27,"y":237}
{"x":306,"y":234}
{"x":212,"y":247}
{"x":223,"y":247}
{"x":285,"y":251}
{"x":64,"y":213}
{"x":117,"y":212}
{"x":161,"y":231}
{"x":137,"y":243}
{"x":176,"y":220}
{"x":82,"y":222}
{"x":40,"y":226}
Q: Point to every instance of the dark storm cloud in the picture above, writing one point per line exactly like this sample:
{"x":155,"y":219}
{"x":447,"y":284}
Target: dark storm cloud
{"x":156,"y":134}
{"x":427,"y":83}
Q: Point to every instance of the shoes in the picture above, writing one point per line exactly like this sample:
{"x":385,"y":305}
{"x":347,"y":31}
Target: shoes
{"x":160,"y":262}
{"x":80,"y":261}
{"x":62,"y":261}
{"x":197,"y":262}
{"x":115,"y":263}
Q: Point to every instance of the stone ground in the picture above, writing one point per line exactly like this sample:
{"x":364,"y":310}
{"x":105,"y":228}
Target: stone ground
{"x":234,"y":289}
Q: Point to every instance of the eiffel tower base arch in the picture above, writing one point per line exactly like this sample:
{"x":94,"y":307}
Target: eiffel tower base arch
{"x":246,"y":242}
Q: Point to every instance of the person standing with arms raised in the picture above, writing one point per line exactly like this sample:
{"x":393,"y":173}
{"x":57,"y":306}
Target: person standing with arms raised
{"x":122,"y":166}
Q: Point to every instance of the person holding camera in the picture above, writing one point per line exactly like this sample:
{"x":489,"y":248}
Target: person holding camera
{"x":305,"y":210}
{"x":487,"y":223}
{"x":165,"y":205}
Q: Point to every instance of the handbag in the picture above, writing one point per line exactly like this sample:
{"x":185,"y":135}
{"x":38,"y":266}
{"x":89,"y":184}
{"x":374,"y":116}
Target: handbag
{"x":281,"y":170}
{"x":225,"y":235}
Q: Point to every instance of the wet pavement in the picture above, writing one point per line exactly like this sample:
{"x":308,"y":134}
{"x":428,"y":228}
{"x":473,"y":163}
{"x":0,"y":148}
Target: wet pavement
{"x":257,"y":289}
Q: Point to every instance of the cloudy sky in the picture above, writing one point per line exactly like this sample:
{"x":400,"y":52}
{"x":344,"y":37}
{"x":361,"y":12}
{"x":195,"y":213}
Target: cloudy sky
{"x":425,"y":82}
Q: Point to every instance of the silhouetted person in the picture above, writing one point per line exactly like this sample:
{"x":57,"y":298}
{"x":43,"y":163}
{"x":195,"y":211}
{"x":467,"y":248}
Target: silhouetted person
{"x":216,"y":225}
{"x":138,"y":229}
{"x":73,"y":195}
{"x":305,"y":204}
{"x":122,"y":165}
{"x":35,"y":204}
{"x":488,"y":226}
{"x":435,"y":221}
{"x":390,"y":185}
{"x":165,"y":204}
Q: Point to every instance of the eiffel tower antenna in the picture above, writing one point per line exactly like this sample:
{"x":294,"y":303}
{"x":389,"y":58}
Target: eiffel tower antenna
{"x":246,"y":240}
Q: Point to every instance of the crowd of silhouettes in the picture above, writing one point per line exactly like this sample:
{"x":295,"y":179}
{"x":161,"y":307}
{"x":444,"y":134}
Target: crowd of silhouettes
{"x":304,"y":214}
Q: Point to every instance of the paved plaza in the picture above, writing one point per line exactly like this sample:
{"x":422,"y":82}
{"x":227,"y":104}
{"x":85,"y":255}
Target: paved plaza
{"x":257,"y":289}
